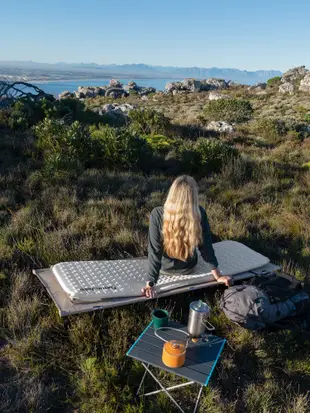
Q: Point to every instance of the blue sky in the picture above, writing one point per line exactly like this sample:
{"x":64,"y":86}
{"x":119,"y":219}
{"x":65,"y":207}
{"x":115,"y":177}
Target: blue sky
{"x":243,"y":34}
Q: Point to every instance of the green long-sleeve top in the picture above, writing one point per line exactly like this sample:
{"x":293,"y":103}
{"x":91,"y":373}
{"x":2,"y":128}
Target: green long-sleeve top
{"x":158,"y":260}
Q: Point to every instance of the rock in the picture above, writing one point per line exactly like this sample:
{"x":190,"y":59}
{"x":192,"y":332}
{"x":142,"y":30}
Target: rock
{"x":217,"y":96}
{"x":221,"y":127}
{"x":144,"y":97}
{"x":258,"y":86}
{"x":132,"y":85}
{"x":286,"y":88}
{"x":305,"y":83}
{"x":66,"y":95}
{"x":114,"y":109}
{"x":144,"y":91}
{"x":115,"y":84}
{"x":294,"y":74}
{"x":89,"y":92}
{"x":116,"y":92}
{"x":213,"y":84}
{"x":191,"y":85}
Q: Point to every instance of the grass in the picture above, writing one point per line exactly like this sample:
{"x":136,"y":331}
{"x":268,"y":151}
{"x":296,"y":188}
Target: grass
{"x":261,"y":199}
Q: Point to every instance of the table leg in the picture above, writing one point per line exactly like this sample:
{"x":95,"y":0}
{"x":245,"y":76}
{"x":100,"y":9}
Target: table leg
{"x":142,"y":380}
{"x":170,"y":388}
{"x":198,"y":399}
{"x":164,"y":389}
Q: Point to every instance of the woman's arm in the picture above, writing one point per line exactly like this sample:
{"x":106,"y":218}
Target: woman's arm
{"x":206,"y":247}
{"x":207,"y":251}
{"x":155,"y":247}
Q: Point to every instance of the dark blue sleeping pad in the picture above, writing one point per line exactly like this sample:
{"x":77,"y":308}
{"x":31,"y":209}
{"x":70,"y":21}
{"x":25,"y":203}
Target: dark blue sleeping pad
{"x":265,"y":301}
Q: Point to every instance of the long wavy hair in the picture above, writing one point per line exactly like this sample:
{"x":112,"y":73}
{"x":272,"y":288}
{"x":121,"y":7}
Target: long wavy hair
{"x":182,"y":231}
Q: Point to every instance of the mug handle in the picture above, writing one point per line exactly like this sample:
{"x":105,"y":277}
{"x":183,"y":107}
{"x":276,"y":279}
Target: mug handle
{"x":209,"y":327}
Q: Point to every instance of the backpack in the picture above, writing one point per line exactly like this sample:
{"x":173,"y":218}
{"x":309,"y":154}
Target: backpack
{"x":264,"y":301}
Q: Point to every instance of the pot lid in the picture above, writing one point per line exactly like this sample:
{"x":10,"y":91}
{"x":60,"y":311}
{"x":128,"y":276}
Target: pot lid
{"x":175,"y":347}
{"x":199,"y":306}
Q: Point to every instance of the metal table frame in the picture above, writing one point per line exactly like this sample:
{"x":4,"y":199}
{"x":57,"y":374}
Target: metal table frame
{"x":166,"y":390}
{"x":148,"y":353}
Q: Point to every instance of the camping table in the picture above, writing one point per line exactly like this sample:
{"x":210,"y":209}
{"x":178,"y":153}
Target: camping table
{"x":201,"y":359}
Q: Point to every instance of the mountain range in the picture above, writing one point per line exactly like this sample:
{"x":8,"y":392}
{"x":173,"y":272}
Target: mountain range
{"x":74,"y":70}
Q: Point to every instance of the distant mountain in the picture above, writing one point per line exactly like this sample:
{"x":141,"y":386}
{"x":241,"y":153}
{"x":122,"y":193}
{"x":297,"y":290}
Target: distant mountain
{"x":137,"y":70}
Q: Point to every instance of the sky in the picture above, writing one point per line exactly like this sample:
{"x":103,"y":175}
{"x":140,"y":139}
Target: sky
{"x":243,"y":34}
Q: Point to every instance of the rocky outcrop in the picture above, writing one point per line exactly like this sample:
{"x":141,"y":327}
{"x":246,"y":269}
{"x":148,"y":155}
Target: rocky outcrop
{"x":213,"y":84}
{"x":115,"y":84}
{"x":191,"y":85}
{"x":291,"y":78}
{"x":220,"y":127}
{"x":66,"y":95}
{"x":286,"y":88}
{"x":194,"y":85}
{"x":84,"y":92}
{"x":294,"y":74}
{"x":116,"y":92}
{"x":305,"y":83}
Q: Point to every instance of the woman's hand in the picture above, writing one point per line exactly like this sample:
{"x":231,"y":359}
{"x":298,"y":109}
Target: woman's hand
{"x":149,"y":290}
{"x":225,"y":279}
{"x":222,"y":279}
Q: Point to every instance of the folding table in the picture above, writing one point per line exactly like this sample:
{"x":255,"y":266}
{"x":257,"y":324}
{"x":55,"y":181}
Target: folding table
{"x":201,"y":359}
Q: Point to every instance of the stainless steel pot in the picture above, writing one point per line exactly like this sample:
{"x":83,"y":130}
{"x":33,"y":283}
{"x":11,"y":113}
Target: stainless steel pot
{"x":197,"y":323}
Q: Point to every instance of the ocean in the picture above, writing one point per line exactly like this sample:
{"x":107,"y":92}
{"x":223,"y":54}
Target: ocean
{"x":56,"y":87}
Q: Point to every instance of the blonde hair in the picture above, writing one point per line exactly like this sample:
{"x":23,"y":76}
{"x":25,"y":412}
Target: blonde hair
{"x":182,"y":231}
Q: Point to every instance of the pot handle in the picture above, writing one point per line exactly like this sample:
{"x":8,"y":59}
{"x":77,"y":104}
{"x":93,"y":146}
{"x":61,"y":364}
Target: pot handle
{"x":169,"y":328}
{"x":209,"y":327}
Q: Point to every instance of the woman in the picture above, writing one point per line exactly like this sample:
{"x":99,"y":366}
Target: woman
{"x":176,"y":231}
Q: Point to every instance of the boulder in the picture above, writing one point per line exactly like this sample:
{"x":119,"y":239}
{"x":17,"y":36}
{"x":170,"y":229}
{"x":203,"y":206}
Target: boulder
{"x":305,"y":83}
{"x":66,"y":95}
{"x":89,"y":92}
{"x":114,"y":110}
{"x":294,"y":74}
{"x":217,"y":96}
{"x":116,"y":92}
{"x":221,"y":127}
{"x":286,"y":88}
{"x":115,"y":84}
{"x":213,"y":84}
{"x":132,"y":85}
{"x":144,"y":91}
{"x":191,"y":85}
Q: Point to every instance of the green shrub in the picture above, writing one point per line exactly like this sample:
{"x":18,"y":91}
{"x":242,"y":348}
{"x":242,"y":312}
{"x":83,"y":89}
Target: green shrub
{"x":63,"y":146}
{"x":268,"y":128}
{"x":25,"y":113}
{"x":205,"y":155}
{"x":229,"y":110}
{"x":148,"y":122}
{"x":274,"y":82}
{"x":159,"y":143}
{"x":118,"y":148}
{"x":307,"y":117}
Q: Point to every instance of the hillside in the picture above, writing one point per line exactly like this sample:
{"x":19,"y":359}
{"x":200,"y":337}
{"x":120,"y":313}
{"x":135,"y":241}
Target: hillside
{"x":78,"y":180}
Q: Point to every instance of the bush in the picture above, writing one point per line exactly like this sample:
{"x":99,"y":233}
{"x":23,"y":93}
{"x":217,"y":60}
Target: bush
{"x":119,"y":148}
{"x":273,"y":129}
{"x":205,"y":155}
{"x":148,"y":122}
{"x":268,"y":128}
{"x":25,"y":113}
{"x":229,"y":110}
{"x":159,"y":143}
{"x":274,"y":82}
{"x":63,"y":146}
